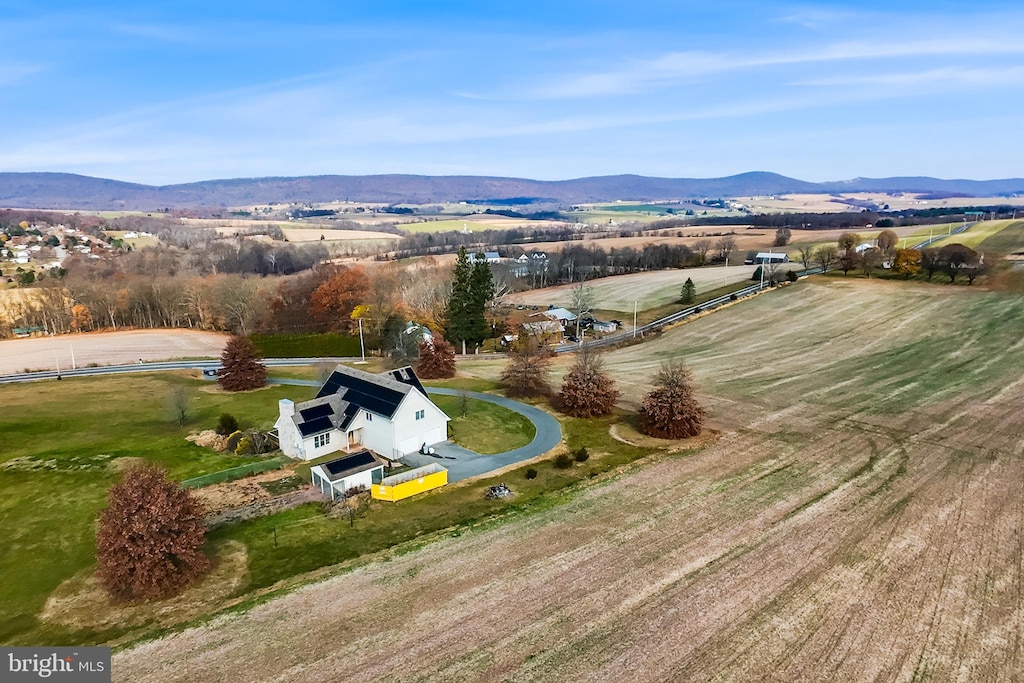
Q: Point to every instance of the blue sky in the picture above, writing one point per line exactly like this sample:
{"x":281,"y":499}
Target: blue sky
{"x":184,"y":91}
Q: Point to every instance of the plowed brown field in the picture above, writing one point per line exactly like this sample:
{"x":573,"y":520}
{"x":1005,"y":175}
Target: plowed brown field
{"x":861,"y":518}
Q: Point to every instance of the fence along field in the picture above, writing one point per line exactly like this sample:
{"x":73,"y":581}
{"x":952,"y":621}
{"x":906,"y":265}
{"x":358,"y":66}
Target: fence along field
{"x":861,"y":518}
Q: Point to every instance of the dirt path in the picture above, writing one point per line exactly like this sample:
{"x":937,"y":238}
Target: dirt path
{"x":861,"y":519}
{"x":107,"y":348}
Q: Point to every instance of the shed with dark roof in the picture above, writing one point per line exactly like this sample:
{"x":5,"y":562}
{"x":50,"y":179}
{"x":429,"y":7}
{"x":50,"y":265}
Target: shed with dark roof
{"x":356,"y":471}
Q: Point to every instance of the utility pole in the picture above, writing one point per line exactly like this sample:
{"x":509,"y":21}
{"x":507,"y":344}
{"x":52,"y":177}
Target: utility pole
{"x":73,"y":366}
{"x":362,"y":348}
{"x":634,"y":318}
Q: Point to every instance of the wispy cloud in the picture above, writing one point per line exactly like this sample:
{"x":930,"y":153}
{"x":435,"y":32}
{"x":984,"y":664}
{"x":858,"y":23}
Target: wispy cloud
{"x":675,"y":68}
{"x":948,"y":76}
{"x":12,"y":73}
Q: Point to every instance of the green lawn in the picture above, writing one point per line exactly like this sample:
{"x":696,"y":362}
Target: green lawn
{"x":485,"y":428}
{"x":63,"y":446}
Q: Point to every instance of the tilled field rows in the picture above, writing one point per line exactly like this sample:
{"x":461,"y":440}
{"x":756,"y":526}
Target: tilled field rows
{"x":821,"y":537}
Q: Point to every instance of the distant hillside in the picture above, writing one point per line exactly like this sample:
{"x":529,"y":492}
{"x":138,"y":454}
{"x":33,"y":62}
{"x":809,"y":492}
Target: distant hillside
{"x":70,"y":191}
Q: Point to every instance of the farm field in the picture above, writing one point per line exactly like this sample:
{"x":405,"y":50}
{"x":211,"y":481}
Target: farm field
{"x":1009,"y":240}
{"x":650,"y":289}
{"x":797,"y":203}
{"x":747,"y":238}
{"x":860,"y":518}
{"x":313,"y":235}
{"x":976,"y":234}
{"x":473,"y":223}
{"x":107,"y":348}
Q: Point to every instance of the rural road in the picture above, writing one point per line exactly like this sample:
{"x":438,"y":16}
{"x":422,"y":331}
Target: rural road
{"x":466,"y":463}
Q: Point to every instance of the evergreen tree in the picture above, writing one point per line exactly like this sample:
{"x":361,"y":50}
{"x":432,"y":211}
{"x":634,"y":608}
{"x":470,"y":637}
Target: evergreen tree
{"x":481,"y":285}
{"x":472,"y":288}
{"x":150,"y":538}
{"x":241,"y":366}
{"x":689,"y":292}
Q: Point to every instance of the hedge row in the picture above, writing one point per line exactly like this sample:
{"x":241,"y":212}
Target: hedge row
{"x":306,"y":345}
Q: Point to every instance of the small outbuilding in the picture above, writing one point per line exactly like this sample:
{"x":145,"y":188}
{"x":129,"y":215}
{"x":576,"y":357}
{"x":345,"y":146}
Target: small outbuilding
{"x":360,"y":470}
{"x":770,"y":257}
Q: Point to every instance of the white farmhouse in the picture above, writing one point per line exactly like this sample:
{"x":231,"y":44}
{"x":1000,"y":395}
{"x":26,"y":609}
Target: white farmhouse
{"x":388,"y":414}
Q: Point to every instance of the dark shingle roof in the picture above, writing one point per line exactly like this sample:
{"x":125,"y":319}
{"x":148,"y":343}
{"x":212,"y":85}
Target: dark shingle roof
{"x":347,"y":391}
{"x":350,"y":464}
{"x":379,"y":394}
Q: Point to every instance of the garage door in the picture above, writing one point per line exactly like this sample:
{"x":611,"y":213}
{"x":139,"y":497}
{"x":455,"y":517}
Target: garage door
{"x":436,"y":435}
{"x":410,"y":445}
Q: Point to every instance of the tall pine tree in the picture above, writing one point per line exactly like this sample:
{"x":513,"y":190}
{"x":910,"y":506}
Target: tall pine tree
{"x":472,"y":288}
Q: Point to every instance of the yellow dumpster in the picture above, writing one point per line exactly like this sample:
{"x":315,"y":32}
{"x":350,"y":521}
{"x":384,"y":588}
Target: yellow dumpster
{"x":411,"y":482}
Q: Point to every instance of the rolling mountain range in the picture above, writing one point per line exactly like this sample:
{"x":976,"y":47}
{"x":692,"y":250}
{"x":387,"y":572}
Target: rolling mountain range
{"x":70,"y":191}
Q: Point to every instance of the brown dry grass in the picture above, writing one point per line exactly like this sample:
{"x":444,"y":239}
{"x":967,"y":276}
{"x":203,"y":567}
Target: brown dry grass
{"x":107,"y":348}
{"x":861,"y":518}
{"x":80,"y":602}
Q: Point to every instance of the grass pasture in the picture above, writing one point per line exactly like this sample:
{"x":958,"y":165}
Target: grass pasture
{"x":64,"y":446}
{"x":1008,"y":240}
{"x":859,"y":518}
{"x":651,"y":289}
{"x":976,"y":234}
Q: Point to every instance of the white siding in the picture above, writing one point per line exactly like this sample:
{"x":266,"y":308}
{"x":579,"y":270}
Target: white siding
{"x":338,"y":442}
{"x":378,"y":434}
{"x":325,"y":485}
{"x":412,"y":433}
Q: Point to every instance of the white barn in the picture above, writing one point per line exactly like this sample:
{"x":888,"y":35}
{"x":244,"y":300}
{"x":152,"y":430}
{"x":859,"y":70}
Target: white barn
{"x":388,"y":414}
{"x":359,"y":470}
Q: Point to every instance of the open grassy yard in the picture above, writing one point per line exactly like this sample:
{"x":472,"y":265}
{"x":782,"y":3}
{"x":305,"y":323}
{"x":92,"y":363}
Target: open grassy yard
{"x":64,"y":444}
{"x":860,"y":518}
{"x":485,"y":428}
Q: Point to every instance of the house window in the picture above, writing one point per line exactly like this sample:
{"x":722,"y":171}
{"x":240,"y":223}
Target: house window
{"x":321,"y":440}
{"x":369,"y":417}
{"x":420,"y":414}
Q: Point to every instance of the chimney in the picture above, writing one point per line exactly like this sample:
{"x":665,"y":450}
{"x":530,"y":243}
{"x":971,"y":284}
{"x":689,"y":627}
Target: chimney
{"x":287,"y":407}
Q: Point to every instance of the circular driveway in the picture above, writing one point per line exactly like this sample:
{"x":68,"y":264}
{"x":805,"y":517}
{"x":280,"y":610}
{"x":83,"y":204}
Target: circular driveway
{"x":463,"y":463}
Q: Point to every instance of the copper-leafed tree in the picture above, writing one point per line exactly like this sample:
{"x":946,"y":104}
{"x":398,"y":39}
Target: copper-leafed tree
{"x":150,"y":537}
{"x":670,"y":410}
{"x":527,"y":371}
{"x":587,"y":390}
{"x":437,"y":359}
{"x":242,"y":366}
{"x":337,"y":296}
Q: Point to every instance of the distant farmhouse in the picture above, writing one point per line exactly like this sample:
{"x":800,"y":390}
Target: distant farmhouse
{"x":489,"y":257}
{"x":388,"y":414}
{"x":770,"y":257}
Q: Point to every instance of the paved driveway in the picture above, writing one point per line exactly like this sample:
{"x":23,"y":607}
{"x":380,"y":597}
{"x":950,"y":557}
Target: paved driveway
{"x":462,"y":463}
